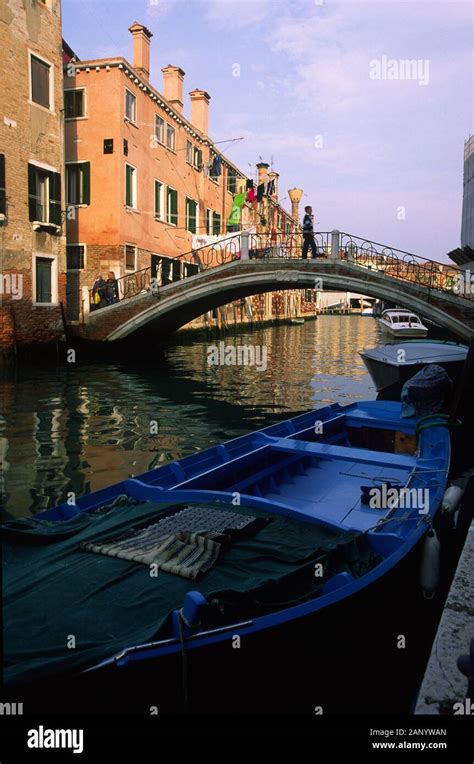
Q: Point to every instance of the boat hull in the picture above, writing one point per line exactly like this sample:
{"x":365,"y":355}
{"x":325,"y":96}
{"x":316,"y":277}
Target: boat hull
{"x":297,"y":470}
{"x":402,"y":332}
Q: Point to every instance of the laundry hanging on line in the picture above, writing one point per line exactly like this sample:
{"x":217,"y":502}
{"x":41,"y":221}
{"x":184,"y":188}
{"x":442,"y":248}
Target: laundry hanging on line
{"x":237,"y":204}
{"x":216,"y":166}
{"x":260,"y":192}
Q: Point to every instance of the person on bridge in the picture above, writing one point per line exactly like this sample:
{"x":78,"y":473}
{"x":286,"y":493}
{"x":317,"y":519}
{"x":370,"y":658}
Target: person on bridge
{"x":99,"y":293}
{"x":308,"y":234}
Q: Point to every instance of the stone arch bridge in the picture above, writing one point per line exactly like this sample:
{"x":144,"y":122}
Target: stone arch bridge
{"x":247,"y":264}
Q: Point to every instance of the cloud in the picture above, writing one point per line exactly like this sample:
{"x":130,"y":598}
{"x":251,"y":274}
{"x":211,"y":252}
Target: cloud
{"x":233,"y":15}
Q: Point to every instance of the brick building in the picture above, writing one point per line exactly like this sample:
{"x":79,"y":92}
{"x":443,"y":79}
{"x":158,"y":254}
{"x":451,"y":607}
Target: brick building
{"x":32,"y":235}
{"x":141,"y":185}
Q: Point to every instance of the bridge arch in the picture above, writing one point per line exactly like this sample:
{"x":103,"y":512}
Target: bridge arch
{"x":178,"y":303}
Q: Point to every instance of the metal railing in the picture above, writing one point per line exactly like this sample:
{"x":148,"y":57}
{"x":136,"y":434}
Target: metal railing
{"x":330,"y":245}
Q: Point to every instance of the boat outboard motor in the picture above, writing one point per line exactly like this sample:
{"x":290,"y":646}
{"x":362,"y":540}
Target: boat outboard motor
{"x":427,"y":392}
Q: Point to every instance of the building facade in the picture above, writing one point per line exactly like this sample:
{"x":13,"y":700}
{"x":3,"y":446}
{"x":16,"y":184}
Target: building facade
{"x":32,"y":230}
{"x":467,"y":227}
{"x":144,"y":182}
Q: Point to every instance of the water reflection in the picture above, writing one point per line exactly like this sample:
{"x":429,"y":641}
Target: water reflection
{"x":80,"y":428}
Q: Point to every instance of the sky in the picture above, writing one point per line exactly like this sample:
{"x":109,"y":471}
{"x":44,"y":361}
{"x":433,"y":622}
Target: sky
{"x":321,"y":90}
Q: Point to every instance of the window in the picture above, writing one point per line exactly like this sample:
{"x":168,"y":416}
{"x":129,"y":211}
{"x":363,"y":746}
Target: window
{"x":130,"y":257}
{"x":44,"y":195}
{"x":159,"y":129}
{"x":189,"y":152}
{"x":215,"y":167}
{"x":75,"y":256}
{"x":170,"y":137}
{"x":231,"y":180}
{"x":208,"y":222}
{"x":216,"y":224}
{"x":197,"y":158}
{"x":191,"y":215}
{"x":130,"y":186}
{"x":78,"y":183}
{"x":130,"y":106}
{"x":45,"y":280}
{"x":125,"y":147}
{"x":159,"y":200}
{"x":3,"y":193}
{"x":74,"y":103}
{"x":108,"y":145}
{"x":41,"y":85}
{"x":172,"y":206}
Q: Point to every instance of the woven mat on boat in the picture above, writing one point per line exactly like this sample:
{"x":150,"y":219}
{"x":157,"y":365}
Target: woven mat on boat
{"x":53,"y":590}
{"x":186,"y":542}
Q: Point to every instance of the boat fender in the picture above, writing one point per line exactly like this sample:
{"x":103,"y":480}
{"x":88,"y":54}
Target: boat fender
{"x":430,"y":564}
{"x":452,"y":497}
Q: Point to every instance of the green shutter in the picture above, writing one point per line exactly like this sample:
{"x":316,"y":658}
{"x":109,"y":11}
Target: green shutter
{"x":86,"y":183}
{"x":3,"y":196}
{"x":54,"y":198}
{"x":32,"y":200}
{"x":43,"y":280}
{"x":172,"y":206}
{"x":128,"y":186}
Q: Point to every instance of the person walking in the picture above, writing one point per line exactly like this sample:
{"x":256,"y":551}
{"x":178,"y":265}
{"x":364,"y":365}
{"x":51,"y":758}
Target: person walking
{"x":111,"y":289}
{"x":98,"y":293}
{"x":308,"y":234}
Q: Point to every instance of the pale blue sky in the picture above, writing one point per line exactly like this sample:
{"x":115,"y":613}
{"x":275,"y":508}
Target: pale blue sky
{"x":304,"y":72}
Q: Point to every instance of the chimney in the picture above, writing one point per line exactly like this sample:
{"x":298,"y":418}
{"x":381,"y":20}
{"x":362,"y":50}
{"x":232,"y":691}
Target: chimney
{"x":200,"y":110}
{"x":173,"y":86}
{"x":274,"y":176}
{"x":141,"y":48}
{"x":295,"y":195}
{"x":262,"y":168}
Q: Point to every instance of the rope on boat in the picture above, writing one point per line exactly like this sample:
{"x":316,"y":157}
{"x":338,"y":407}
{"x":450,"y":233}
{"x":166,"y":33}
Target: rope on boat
{"x":184,"y":663}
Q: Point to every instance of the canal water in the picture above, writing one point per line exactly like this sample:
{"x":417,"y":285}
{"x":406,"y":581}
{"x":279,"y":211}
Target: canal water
{"x":79,"y":427}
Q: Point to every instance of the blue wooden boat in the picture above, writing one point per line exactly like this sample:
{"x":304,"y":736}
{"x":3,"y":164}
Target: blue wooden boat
{"x":321,"y":541}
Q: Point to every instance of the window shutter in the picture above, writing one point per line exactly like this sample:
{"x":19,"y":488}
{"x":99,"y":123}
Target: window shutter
{"x":55,"y":198}
{"x":3,"y":199}
{"x":32,"y":200}
{"x":86,"y":183}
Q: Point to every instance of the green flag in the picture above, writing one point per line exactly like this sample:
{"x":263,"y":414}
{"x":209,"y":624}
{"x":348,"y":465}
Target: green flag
{"x":237,"y":204}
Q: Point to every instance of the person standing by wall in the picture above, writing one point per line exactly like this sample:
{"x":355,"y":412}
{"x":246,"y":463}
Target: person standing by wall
{"x":308,"y":234}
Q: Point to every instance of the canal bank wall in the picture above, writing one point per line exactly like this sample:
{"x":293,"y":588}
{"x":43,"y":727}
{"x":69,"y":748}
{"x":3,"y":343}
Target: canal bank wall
{"x":444,"y":687}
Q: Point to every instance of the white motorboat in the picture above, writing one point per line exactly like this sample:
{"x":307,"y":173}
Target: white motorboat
{"x":402,"y":323}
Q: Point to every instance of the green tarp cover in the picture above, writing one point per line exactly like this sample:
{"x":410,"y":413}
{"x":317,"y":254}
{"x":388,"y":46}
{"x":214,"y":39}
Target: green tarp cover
{"x":56,"y":595}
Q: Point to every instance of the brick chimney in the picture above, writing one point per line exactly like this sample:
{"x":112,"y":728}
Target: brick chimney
{"x":173,"y":86}
{"x":141,"y":48}
{"x":295,"y":195}
{"x":262,"y":168}
{"x":200,"y":110}
{"x":274,"y":176}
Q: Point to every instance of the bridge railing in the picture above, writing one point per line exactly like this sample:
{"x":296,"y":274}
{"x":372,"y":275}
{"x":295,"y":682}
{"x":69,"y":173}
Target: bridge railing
{"x":402,"y":265}
{"x":330,"y":245}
